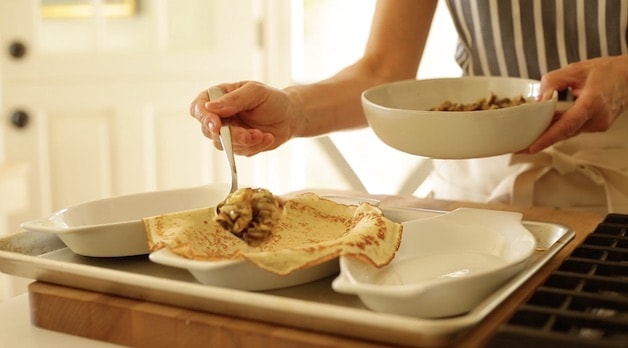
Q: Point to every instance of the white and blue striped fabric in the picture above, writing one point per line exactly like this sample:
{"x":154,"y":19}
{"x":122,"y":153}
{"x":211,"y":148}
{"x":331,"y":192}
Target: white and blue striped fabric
{"x":527,"y":38}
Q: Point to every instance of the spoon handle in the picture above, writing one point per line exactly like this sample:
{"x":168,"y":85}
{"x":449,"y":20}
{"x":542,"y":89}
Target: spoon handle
{"x":225,"y":139}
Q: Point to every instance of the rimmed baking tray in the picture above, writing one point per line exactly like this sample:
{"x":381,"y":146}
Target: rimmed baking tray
{"x":313,"y":306}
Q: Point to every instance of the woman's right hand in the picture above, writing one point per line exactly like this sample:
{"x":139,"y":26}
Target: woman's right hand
{"x":600,"y":86}
{"x":261,"y":117}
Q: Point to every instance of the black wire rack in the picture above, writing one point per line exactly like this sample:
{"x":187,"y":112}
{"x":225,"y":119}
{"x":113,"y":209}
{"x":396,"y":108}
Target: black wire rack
{"x":584,"y":303}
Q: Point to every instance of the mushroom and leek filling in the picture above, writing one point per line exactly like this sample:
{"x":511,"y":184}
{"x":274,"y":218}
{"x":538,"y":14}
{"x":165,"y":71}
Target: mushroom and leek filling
{"x":489,"y":103}
{"x":250,"y":214}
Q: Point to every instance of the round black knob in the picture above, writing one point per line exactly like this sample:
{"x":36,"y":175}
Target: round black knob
{"x":17,"y":50}
{"x":19,"y":118}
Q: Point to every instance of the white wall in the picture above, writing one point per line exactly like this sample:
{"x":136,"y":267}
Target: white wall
{"x":335,"y":33}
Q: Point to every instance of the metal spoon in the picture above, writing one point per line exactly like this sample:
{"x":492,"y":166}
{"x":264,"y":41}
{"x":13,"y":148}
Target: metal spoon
{"x":227,"y":147}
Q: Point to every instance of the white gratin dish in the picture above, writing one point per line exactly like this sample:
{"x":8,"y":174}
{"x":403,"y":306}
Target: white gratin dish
{"x":113,"y":227}
{"x":445,"y":264}
{"x":241,"y":274}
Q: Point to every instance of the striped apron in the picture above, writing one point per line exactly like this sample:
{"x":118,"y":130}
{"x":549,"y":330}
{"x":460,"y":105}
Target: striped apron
{"x":527,"y":38}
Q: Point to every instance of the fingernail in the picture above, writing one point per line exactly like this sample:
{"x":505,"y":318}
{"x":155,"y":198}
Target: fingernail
{"x":212,"y":127}
{"x":550,"y":95}
{"x":213,"y":105}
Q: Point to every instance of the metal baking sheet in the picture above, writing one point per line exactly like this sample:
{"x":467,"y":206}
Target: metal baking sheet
{"x":312,"y":306}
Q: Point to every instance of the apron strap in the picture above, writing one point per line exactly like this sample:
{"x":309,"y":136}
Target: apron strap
{"x":607,"y":168}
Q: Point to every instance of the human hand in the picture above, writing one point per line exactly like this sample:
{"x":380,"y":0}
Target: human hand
{"x":260,"y":117}
{"x":600,"y":89}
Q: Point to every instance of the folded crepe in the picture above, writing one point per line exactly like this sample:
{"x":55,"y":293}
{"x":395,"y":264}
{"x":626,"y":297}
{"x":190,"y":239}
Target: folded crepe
{"x":311,"y":230}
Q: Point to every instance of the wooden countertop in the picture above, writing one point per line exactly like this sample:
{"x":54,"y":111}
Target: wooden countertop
{"x":140,"y":323}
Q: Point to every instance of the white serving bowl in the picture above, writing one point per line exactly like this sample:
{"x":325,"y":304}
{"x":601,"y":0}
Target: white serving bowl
{"x":398,"y":114}
{"x":113,"y":227}
{"x":241,"y":274}
{"x":445,"y":265}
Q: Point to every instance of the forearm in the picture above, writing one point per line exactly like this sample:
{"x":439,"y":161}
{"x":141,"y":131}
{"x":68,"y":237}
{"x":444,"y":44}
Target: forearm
{"x":394,"y":49}
{"x":330,"y":105}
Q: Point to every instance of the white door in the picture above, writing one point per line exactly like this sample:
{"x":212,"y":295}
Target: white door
{"x":100,"y":104}
{"x":97,"y":106}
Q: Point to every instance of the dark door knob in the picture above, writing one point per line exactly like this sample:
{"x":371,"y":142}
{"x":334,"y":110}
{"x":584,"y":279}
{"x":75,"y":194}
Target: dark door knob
{"x":17,"y":49}
{"x":19,"y":118}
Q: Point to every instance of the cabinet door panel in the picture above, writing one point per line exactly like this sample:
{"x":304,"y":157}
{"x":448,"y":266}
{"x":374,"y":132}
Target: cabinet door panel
{"x":79,"y":155}
{"x":183,"y":157}
{"x":108,"y":98}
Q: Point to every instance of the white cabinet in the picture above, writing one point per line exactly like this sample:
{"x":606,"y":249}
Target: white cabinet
{"x":104,"y":101}
{"x":101,"y":103}
{"x":13,"y":199}
{"x":13,"y":190}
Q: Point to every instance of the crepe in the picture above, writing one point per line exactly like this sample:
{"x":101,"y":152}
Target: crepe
{"x":310,"y":231}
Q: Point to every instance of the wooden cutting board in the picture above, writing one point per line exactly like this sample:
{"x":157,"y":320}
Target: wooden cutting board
{"x":140,"y":323}
{"x":144,"y":324}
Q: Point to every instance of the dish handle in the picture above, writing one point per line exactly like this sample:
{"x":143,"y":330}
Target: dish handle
{"x":343,"y":285}
{"x":43,"y":225}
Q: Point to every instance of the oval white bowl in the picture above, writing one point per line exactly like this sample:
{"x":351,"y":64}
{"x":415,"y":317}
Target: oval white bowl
{"x":241,"y":274}
{"x":398,"y":114}
{"x":445,"y":265}
{"x":113,"y":227}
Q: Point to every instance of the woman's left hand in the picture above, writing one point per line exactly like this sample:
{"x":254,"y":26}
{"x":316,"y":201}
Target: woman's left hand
{"x":600,"y":89}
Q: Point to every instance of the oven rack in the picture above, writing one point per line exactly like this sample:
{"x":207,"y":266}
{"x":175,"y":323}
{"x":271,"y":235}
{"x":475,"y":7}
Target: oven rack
{"x":584,"y":303}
